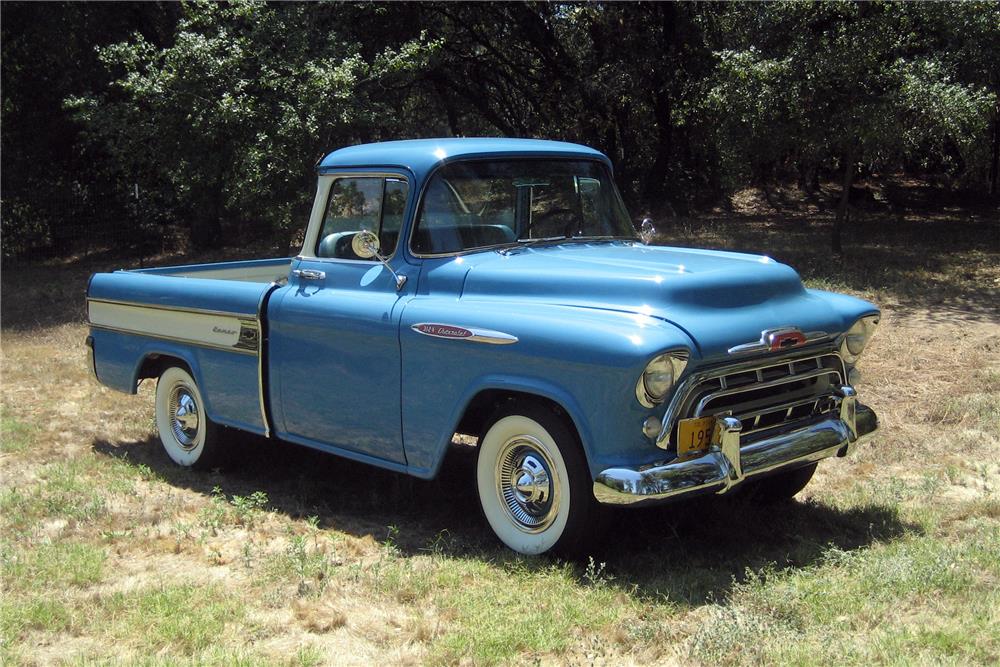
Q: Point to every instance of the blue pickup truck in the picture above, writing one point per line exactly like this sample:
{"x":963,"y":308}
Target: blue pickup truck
{"x":497,"y":288}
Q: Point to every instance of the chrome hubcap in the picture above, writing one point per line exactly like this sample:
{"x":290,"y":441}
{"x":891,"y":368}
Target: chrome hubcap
{"x":184,"y":419}
{"x":525,"y":484}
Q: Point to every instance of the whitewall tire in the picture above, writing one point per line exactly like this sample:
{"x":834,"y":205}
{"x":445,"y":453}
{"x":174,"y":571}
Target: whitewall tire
{"x":533,"y":482}
{"x":188,"y":437}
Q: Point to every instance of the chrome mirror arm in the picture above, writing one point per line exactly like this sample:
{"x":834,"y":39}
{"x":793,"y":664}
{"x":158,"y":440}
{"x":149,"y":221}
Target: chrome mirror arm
{"x":365,"y":245}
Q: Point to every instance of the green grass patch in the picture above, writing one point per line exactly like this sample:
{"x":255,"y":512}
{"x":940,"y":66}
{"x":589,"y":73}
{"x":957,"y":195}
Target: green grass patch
{"x":76,"y":490}
{"x":51,"y":566}
{"x":184,"y":619}
{"x":515,"y":609}
{"x":15,"y":436}
{"x":19,"y":615}
{"x":923,"y":597}
{"x":65,"y":490}
{"x":239,"y":511}
{"x":167,"y":625}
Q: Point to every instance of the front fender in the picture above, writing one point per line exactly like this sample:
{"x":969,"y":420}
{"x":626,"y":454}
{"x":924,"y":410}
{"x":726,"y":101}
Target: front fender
{"x":509,"y":383}
{"x":587,"y":360}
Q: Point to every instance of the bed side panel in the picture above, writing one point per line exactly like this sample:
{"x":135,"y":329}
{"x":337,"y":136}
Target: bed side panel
{"x":228,"y":380}
{"x":167,"y":291}
{"x":212,"y":325}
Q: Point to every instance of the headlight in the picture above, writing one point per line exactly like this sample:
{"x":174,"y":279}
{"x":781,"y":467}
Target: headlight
{"x":659,"y":377}
{"x":857,"y":338}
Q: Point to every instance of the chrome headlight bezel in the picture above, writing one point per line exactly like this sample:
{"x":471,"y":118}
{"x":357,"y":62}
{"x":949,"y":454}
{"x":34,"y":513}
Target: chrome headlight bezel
{"x":659,"y":377}
{"x":854,"y":342}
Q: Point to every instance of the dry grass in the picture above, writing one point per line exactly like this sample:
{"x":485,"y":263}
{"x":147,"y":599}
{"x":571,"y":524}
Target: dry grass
{"x":111,"y":554}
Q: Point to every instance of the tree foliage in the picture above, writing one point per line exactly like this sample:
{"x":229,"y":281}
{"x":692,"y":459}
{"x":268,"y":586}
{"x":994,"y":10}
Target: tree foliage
{"x":211,"y":115}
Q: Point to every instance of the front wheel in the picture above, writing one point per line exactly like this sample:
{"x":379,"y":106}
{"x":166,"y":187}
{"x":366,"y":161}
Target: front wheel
{"x":188,"y":436}
{"x":533,"y":482}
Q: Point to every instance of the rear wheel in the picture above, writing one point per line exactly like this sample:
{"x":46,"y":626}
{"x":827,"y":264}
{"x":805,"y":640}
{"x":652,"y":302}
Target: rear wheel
{"x":188,"y":436}
{"x":533,"y":482}
{"x":781,"y":486}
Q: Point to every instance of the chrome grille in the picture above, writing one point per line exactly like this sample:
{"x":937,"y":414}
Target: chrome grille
{"x":769,"y":395}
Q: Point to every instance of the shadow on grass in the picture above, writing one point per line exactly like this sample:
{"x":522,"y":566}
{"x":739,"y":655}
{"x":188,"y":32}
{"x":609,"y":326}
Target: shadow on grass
{"x":688,"y":553}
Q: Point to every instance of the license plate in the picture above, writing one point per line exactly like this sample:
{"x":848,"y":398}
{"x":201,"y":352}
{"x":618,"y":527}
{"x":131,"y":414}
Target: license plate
{"x":694,"y":435}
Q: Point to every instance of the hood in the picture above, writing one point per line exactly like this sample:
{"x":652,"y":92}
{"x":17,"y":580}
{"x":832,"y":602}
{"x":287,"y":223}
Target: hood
{"x":720,"y":299}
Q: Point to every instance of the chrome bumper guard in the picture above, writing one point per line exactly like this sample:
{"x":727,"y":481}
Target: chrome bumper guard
{"x":727,"y":464}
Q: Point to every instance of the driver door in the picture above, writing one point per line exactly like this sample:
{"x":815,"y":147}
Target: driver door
{"x":334,"y":332}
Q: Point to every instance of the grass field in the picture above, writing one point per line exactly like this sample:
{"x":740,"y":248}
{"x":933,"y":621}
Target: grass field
{"x":111,"y":554}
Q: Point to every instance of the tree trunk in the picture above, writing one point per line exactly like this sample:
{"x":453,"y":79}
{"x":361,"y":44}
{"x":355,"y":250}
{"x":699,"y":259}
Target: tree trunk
{"x":653,"y":188}
{"x":995,"y":162}
{"x":845,"y":200}
{"x":654,"y":185}
{"x":447,"y":101}
{"x":206,"y":224}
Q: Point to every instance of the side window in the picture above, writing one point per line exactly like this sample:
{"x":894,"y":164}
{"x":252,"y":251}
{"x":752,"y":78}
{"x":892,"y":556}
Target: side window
{"x":368,"y":203}
{"x":393,"y":207}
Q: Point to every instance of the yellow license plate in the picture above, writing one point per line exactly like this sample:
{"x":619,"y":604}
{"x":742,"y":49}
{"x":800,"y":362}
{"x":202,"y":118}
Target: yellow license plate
{"x":694,"y":435}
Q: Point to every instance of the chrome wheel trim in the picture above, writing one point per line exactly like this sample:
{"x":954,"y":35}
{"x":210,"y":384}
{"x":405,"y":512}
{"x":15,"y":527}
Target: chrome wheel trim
{"x":526,"y":485}
{"x":184,"y":416}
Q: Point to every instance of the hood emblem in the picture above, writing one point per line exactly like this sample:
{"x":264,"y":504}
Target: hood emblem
{"x":776,"y":340}
{"x":455,"y":332}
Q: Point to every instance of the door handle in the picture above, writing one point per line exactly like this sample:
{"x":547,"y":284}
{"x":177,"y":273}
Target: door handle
{"x":309,"y":274}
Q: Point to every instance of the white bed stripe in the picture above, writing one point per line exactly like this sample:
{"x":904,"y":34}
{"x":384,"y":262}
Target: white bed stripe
{"x":212,"y":329}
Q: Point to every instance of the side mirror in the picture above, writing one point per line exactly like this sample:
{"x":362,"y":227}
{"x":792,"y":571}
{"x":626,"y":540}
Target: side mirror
{"x":647,"y":232}
{"x":366,"y":245}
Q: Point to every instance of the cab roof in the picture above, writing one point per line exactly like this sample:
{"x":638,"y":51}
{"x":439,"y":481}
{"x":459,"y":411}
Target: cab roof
{"x":420,"y":156}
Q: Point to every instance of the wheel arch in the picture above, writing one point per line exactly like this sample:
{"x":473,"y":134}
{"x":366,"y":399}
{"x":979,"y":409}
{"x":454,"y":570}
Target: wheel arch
{"x":155,"y":360}
{"x":483,"y":398}
{"x":152,"y":365}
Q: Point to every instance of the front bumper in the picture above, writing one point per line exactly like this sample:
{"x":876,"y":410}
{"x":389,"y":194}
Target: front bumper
{"x":727,"y":464}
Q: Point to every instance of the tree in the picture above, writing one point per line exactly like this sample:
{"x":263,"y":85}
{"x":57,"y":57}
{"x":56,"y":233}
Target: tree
{"x":229,"y":118}
{"x":847,"y":81}
{"x":215,"y":113}
{"x":55,"y":187}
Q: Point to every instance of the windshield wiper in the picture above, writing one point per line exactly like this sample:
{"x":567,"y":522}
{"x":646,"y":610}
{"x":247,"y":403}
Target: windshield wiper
{"x":525,"y":243}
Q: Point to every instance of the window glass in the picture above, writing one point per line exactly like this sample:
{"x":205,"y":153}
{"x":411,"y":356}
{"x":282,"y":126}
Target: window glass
{"x":393,"y":209}
{"x":354,"y":205}
{"x":479,"y":204}
{"x":369,"y":203}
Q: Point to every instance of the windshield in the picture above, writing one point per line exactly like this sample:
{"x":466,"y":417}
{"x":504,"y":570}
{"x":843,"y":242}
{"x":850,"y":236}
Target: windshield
{"x":470,"y":205}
